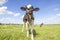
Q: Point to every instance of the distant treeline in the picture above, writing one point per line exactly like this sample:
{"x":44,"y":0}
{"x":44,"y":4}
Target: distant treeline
{"x":0,"y":23}
{"x":8,"y":24}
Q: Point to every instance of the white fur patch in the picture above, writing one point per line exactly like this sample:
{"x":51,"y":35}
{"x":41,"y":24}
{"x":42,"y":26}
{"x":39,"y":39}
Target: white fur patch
{"x":28,"y":6}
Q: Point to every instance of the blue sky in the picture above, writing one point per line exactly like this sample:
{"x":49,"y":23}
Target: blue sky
{"x":49,"y":12}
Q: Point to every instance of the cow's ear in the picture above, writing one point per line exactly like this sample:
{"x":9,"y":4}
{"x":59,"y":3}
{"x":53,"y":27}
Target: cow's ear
{"x":23,"y":8}
{"x":36,"y":9}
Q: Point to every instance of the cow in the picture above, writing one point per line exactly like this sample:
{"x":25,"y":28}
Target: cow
{"x":28,"y":19}
{"x":41,"y":24}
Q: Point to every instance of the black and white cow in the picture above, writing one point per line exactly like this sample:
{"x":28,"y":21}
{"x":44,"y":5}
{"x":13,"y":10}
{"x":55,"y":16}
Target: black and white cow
{"x":28,"y":19}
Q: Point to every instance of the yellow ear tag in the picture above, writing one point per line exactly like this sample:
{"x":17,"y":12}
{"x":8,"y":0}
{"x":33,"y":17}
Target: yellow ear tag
{"x":27,"y":14}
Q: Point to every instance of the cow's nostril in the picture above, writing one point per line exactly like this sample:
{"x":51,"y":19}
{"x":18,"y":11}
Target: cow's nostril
{"x":28,"y":9}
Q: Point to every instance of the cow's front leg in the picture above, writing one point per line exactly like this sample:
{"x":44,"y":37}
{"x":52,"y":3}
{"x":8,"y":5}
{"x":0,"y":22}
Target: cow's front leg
{"x":27,"y":28}
{"x":32,"y":36}
{"x":32,"y":28}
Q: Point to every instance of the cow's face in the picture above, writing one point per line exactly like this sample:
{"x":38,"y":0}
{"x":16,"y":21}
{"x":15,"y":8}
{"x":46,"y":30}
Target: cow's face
{"x":29,"y":9}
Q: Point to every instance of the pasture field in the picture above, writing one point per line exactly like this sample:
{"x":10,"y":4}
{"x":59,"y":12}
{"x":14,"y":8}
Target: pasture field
{"x":46,"y":32}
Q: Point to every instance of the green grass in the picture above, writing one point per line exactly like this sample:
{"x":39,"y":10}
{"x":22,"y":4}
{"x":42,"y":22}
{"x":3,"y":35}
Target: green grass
{"x":46,"y":32}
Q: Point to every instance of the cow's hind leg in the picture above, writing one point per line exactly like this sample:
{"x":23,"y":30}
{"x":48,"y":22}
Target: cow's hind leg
{"x":23,"y":27}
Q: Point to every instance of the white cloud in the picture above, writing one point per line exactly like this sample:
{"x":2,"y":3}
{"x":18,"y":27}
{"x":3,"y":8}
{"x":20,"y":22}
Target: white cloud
{"x":52,"y":19}
{"x":58,"y":14}
{"x":9,"y":20}
{"x":17,"y":14}
{"x":22,"y":16}
{"x":10,"y":12}
{"x":38,"y":21}
{"x":3,"y":10}
{"x":3,"y":2}
{"x":55,"y":19}
{"x":56,"y":9}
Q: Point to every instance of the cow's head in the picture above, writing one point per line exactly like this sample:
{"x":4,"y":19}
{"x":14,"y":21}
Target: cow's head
{"x":29,"y":8}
